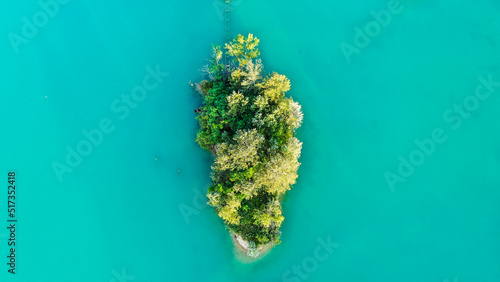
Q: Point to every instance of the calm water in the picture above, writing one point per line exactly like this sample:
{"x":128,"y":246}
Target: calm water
{"x":129,"y":210}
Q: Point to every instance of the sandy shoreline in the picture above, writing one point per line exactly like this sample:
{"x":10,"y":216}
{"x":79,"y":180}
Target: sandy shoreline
{"x":241,"y":249}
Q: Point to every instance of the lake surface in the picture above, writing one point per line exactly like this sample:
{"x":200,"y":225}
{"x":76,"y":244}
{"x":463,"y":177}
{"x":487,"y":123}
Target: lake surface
{"x":419,"y":93}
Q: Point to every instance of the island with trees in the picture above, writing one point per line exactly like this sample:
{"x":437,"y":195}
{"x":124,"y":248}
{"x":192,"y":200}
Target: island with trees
{"x":248,"y":124}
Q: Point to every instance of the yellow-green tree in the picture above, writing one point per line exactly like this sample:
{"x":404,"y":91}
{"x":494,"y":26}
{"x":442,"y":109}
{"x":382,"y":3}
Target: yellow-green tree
{"x":242,"y":154}
{"x":243,"y":49}
{"x":274,"y":87}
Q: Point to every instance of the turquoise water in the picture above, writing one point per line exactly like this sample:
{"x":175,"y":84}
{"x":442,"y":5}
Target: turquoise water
{"x":126,"y":213}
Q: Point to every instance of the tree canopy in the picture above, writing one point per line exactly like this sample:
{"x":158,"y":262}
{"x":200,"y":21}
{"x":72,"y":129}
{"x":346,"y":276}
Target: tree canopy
{"x":248,"y":124}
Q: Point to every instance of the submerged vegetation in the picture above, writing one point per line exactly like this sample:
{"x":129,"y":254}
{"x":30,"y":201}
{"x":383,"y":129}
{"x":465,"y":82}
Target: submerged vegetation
{"x":248,"y":124}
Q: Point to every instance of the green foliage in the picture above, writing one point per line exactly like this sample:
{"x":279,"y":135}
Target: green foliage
{"x":240,"y":155}
{"x":216,"y":55}
{"x":271,"y":215}
{"x":280,"y":171}
{"x":237,"y":103}
{"x":274,"y":87}
{"x":249,"y":125}
{"x":243,"y":49}
{"x":253,"y":252}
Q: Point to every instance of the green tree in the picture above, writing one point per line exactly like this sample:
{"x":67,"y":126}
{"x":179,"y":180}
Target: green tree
{"x":280,"y":171}
{"x":270,"y":216}
{"x":247,"y":188}
{"x":248,"y":124}
{"x":252,"y":250}
{"x":243,"y":49}
{"x":274,"y":87}
{"x":242,"y":154}
{"x":252,"y":73}
{"x":229,"y":211}
{"x":237,"y":103}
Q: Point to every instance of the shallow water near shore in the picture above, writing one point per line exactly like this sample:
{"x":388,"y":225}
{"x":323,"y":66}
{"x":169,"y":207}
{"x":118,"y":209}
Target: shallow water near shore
{"x":130,"y":209}
{"x":240,"y":252}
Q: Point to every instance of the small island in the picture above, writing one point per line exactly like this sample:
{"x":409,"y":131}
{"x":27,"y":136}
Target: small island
{"x":248,"y":124}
